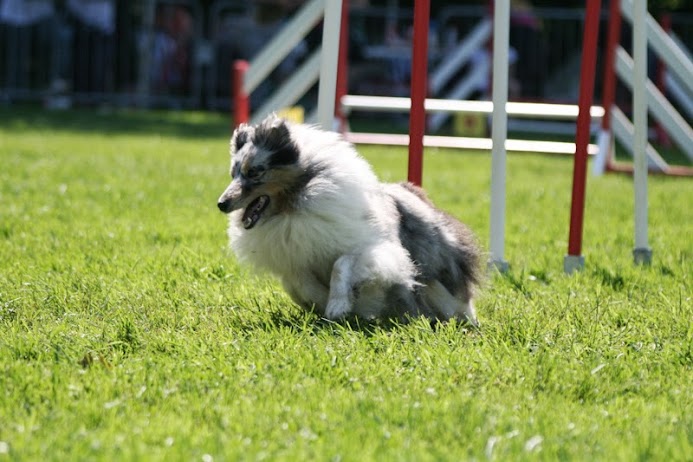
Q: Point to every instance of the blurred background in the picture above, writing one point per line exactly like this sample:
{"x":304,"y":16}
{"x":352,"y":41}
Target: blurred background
{"x":178,"y":53}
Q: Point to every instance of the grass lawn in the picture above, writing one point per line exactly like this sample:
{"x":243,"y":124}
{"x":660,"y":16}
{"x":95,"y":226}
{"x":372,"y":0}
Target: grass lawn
{"x":128,"y":332}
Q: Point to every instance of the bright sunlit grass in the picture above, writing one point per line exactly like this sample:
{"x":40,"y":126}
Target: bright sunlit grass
{"x":128,"y":332}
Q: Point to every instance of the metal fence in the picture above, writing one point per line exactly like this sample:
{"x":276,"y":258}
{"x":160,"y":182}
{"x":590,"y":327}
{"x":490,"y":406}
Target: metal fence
{"x":95,"y":52}
{"x":178,"y":53}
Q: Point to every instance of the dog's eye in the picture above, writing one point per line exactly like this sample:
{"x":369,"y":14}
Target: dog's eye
{"x":255,"y":172}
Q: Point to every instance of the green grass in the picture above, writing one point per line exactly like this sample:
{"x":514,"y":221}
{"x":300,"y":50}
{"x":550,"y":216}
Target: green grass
{"x":128,"y":332}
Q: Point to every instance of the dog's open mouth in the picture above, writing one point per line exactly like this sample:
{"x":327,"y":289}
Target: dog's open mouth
{"x":254,"y":210}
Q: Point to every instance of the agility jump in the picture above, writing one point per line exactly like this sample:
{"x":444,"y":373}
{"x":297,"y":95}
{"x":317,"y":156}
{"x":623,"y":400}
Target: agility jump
{"x":334,"y":101}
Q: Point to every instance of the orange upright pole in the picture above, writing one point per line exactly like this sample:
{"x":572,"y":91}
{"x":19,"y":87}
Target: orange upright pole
{"x":241,"y":101}
{"x":419,"y":74}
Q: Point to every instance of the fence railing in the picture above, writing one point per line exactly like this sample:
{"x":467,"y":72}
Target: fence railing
{"x":178,"y":53}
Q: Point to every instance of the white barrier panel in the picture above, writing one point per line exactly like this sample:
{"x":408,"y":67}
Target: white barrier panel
{"x":673,"y":56}
{"x":461,"y":142}
{"x":625,"y":133}
{"x":299,"y":83}
{"x":282,"y":44}
{"x":678,"y":93}
{"x":661,"y":109}
{"x":532,"y":110}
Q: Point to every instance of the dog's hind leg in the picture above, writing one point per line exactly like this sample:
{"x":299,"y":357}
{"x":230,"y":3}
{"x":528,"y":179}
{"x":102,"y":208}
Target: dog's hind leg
{"x":465,"y":306}
{"x":341,"y":286}
{"x":467,"y":313}
{"x":442,"y":302}
{"x":404,"y":304}
{"x":448,"y":306}
{"x":385,"y":264}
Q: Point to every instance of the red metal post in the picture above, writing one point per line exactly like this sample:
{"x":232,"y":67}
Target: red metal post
{"x":613,"y":36}
{"x":342,"y":66}
{"x":419,"y":74}
{"x":582,"y":135}
{"x":662,"y":135}
{"x":241,"y":101}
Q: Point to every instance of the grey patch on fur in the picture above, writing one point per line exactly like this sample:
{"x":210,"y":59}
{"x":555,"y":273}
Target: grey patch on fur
{"x":286,"y":155}
{"x":272,"y":134}
{"x":265,"y":146}
{"x":307,"y":175}
{"x":293,"y":194}
{"x":404,"y":303}
{"x":241,"y":136}
{"x":455,"y":265}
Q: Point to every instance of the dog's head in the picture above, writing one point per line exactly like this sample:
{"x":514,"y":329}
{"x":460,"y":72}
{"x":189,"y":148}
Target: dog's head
{"x":264,"y":163}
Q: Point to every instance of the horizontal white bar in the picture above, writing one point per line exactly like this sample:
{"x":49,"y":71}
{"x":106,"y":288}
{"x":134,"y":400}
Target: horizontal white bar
{"x":476,"y":78}
{"x":460,"y":142}
{"x":397,"y":104}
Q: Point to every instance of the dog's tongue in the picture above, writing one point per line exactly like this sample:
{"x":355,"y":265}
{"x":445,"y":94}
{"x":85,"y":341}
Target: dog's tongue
{"x":254,"y":210}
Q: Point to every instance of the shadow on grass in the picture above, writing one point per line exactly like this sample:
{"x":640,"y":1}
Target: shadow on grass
{"x":184,"y":124}
{"x":296,"y":319}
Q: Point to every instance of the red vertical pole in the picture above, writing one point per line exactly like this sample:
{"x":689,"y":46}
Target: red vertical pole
{"x":241,"y":103}
{"x":582,"y":135}
{"x":613,"y":36}
{"x":419,"y":71}
{"x":662,"y":136}
{"x":342,"y":66}
{"x":489,"y":49}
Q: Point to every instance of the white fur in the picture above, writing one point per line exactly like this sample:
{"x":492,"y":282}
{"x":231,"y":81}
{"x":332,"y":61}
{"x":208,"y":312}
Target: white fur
{"x":342,"y":235}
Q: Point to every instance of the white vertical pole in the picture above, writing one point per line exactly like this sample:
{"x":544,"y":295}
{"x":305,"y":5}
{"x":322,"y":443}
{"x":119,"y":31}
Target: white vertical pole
{"x":604,"y":142}
{"x":501,"y":32}
{"x":329,"y":57}
{"x":641,"y":253}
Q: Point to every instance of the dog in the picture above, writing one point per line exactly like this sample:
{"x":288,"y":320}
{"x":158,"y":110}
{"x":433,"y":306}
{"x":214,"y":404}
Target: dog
{"x":304,"y":205}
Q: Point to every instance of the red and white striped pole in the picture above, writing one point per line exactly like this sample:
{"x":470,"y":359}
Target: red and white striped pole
{"x":418,"y":89}
{"x":574,"y":260}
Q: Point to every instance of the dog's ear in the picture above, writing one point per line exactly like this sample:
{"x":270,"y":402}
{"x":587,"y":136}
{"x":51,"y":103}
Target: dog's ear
{"x":240,"y":136}
{"x":273,"y":133}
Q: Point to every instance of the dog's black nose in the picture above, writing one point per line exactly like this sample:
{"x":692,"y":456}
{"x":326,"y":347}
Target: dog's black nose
{"x":224,"y":206}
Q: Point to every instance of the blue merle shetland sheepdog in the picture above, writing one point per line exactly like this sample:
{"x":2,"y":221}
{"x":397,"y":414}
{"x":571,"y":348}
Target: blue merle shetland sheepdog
{"x":305,"y":206}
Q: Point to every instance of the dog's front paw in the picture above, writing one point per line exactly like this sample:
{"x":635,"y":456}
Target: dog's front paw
{"x":337,"y":309}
